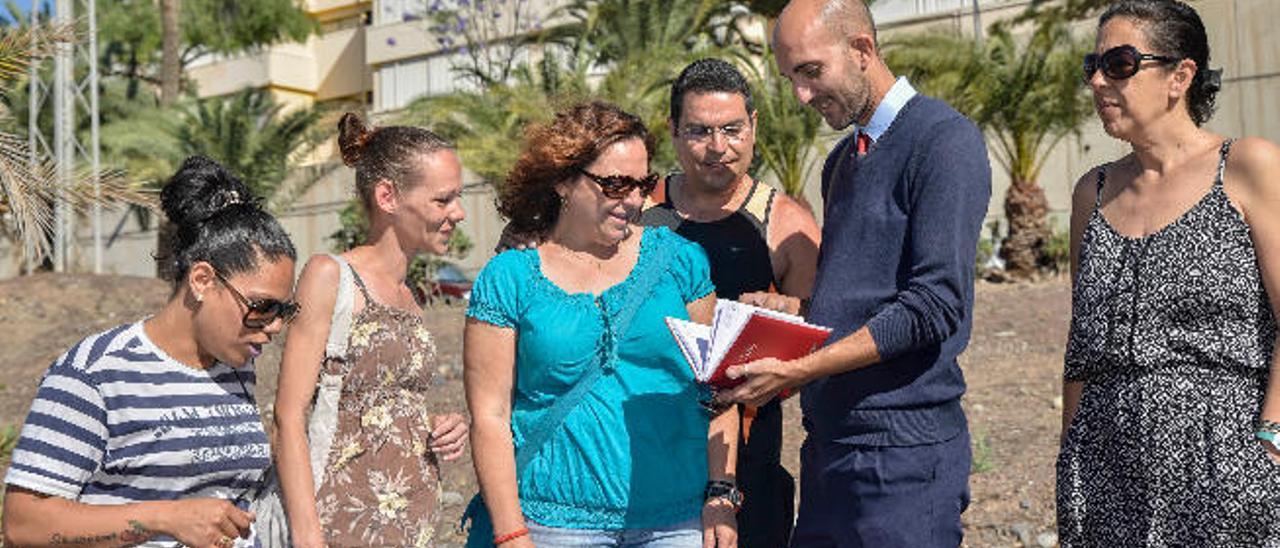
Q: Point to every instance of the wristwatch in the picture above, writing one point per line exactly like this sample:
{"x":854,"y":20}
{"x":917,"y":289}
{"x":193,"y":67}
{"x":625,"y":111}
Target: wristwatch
{"x":723,"y":490}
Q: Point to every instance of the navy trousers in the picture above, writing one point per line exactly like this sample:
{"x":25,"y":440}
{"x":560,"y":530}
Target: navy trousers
{"x":882,"y":497}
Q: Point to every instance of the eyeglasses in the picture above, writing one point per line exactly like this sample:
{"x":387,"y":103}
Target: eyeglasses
{"x":617,"y":187}
{"x":1120,"y":62}
{"x":734,"y":133}
{"x":260,"y":313}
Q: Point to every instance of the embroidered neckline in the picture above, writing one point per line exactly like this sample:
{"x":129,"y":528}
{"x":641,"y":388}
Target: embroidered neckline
{"x":534,"y":262}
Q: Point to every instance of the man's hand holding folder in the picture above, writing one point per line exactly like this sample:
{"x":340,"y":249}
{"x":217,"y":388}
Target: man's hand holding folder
{"x":739,"y":335}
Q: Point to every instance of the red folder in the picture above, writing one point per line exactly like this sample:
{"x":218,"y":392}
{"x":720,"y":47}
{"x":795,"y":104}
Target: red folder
{"x":741,"y":334}
{"x":766,"y":337}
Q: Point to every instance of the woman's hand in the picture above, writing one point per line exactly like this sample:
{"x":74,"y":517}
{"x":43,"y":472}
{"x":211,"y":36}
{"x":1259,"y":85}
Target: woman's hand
{"x":719,"y":524}
{"x":206,"y":523}
{"x":449,"y":435}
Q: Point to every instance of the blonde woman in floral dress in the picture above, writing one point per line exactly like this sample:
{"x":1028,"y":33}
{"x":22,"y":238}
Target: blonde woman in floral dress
{"x":374,"y":480}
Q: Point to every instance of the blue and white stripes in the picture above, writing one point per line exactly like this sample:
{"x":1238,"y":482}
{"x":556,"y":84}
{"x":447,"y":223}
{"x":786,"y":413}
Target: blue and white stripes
{"x":116,"y":421}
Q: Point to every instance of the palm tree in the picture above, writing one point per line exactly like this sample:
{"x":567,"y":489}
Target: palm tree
{"x":623,"y":51}
{"x":248,"y":132}
{"x":1025,"y":94}
{"x":613,"y":30}
{"x":786,"y":129}
{"x":28,"y":191}
{"x":641,"y":46}
{"x":488,"y":125}
{"x":1068,"y":10}
{"x":255,"y":138}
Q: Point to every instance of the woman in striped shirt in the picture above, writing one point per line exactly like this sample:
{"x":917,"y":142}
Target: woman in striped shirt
{"x":148,"y":434}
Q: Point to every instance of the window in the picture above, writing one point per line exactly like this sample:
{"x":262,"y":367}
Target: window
{"x":396,"y":11}
{"x":399,"y":83}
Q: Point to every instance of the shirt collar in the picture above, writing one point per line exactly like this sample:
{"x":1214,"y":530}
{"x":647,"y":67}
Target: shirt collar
{"x":887,"y":111}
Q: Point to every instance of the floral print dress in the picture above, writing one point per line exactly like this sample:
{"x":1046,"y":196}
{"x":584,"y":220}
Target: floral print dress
{"x":381,"y":484}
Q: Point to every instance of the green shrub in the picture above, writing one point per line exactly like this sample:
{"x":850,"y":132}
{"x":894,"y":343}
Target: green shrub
{"x":1057,"y":250}
{"x":8,"y":441}
{"x":983,"y":461}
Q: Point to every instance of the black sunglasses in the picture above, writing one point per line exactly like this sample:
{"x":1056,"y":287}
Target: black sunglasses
{"x":617,"y":187}
{"x":260,"y":313}
{"x":1120,"y":62}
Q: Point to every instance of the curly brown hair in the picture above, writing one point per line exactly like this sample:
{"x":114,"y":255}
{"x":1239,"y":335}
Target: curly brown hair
{"x":554,"y":152}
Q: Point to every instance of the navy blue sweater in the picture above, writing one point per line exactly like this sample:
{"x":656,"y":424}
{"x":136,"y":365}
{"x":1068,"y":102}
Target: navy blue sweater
{"x":898,"y":243}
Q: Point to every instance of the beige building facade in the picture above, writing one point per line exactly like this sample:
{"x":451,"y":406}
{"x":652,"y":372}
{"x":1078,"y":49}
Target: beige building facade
{"x":376,"y":56}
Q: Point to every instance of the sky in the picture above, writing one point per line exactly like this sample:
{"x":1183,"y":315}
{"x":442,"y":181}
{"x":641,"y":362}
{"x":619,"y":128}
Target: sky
{"x":24,"y":4}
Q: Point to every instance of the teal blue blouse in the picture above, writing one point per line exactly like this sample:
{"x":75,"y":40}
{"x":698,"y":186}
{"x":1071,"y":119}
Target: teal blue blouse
{"x":633,"y":453}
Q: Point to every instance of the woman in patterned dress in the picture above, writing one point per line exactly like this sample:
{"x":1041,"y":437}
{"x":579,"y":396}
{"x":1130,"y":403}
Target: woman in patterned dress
{"x":380,"y":484}
{"x":1176,"y":263}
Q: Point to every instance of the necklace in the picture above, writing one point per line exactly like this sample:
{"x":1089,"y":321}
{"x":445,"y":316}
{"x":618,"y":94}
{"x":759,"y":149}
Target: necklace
{"x":578,"y":256}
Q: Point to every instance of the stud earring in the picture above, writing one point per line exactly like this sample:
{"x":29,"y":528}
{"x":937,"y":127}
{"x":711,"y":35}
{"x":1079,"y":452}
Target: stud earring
{"x":199,"y":298}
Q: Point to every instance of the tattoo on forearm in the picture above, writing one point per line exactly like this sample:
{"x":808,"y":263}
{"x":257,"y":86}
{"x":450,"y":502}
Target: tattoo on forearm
{"x":58,"y":538}
{"x":136,"y":533}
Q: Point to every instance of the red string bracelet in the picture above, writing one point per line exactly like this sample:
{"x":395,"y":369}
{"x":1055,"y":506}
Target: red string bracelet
{"x":499,"y":540}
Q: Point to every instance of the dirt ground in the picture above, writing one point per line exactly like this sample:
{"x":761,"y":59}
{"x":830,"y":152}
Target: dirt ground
{"x":1013,"y":367}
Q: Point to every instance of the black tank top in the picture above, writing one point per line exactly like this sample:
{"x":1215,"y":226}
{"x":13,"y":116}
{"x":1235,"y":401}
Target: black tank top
{"x":737,"y":245}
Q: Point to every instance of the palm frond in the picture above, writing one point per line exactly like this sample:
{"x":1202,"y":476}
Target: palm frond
{"x":785,"y":129}
{"x":20,"y":46}
{"x":1023,"y":91}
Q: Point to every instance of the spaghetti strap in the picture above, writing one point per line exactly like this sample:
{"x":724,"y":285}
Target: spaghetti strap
{"x":1222,"y":160}
{"x":1102,"y":181}
{"x":360,"y":284}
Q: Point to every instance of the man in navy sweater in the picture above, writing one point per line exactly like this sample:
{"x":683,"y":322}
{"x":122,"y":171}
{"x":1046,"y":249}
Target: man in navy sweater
{"x":886,"y":460}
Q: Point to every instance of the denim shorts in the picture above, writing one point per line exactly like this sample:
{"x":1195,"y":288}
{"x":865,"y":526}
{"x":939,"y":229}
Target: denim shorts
{"x":686,"y":534}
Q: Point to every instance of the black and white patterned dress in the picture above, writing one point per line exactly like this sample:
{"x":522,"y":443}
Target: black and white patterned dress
{"x":1172,"y":335}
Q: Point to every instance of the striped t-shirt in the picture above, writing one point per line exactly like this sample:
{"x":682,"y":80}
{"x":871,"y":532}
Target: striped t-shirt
{"x":116,"y":420}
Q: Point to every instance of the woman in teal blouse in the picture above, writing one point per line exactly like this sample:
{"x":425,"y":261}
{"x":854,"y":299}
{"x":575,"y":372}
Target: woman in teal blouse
{"x":587,"y":428}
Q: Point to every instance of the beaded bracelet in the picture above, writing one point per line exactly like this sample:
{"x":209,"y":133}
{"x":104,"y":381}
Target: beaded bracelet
{"x":499,"y":540}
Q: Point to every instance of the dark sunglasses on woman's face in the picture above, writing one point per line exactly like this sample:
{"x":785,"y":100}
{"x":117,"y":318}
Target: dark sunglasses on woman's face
{"x":617,"y":187}
{"x":259,"y":313}
{"x":1120,"y":62}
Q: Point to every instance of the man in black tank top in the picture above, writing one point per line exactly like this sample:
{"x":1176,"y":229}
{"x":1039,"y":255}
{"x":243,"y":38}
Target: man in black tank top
{"x":756,"y":239}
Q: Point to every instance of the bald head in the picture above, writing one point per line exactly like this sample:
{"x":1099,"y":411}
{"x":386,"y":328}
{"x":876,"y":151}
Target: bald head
{"x":843,"y":19}
{"x":847,"y":18}
{"x":827,"y":49}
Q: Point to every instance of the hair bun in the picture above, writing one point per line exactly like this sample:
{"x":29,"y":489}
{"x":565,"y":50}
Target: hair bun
{"x":199,"y":190}
{"x":353,"y":135}
{"x":1213,"y":80}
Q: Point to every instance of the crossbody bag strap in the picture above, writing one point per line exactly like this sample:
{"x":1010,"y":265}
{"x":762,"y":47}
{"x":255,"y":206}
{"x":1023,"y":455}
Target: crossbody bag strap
{"x":340,"y":326}
{"x":550,"y":422}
